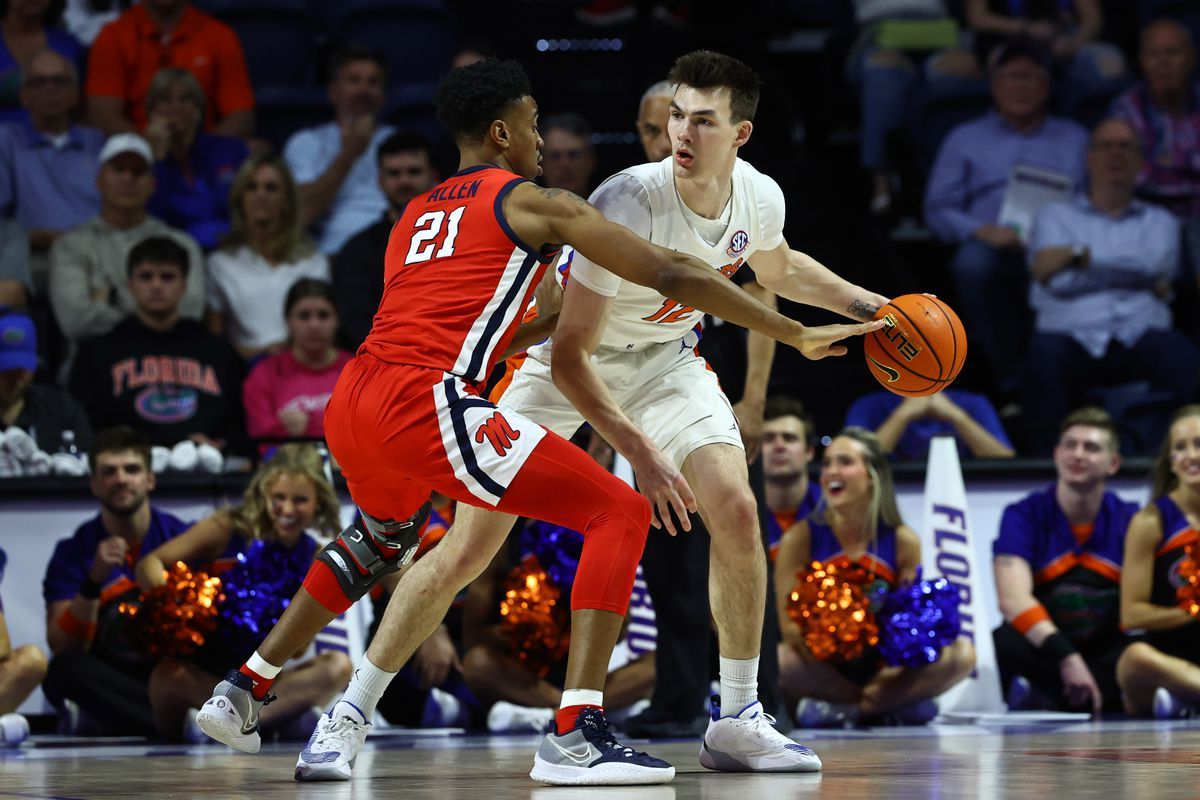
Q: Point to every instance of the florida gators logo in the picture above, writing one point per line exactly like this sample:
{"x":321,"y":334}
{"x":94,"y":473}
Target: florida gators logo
{"x":738,"y":244}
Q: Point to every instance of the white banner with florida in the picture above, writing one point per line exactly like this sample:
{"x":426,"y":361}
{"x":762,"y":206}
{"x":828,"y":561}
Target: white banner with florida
{"x":951,"y":549}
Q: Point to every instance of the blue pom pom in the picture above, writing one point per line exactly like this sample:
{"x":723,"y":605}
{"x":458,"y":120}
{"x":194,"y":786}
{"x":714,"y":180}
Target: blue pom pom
{"x":917,"y":621}
{"x":257,"y":590}
{"x":557,"y":549}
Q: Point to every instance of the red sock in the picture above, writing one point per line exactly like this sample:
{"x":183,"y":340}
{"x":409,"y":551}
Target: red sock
{"x":564,"y":720}
{"x":260,"y":684}
{"x":323,"y":585}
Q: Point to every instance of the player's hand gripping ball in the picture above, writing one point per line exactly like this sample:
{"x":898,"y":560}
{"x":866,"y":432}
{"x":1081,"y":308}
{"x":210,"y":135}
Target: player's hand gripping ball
{"x":920,"y":350}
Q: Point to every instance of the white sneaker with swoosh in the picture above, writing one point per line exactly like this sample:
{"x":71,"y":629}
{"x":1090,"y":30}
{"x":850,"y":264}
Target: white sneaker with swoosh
{"x":589,"y":755}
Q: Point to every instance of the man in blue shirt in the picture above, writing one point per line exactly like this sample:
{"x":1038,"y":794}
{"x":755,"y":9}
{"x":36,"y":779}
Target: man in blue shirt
{"x":47,"y":164}
{"x":1102,"y":269}
{"x":1057,"y":563}
{"x":93,"y":667}
{"x":967,"y":188}
{"x":905,"y":425}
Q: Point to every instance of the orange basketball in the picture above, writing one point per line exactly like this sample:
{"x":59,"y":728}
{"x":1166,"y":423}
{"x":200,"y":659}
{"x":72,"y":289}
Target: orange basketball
{"x":921,"y":349}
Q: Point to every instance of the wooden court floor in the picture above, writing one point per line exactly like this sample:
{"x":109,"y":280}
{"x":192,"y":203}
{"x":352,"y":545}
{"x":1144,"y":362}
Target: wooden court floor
{"x":1083,"y":760}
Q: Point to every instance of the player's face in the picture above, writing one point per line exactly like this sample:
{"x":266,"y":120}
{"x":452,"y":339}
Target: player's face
{"x":404,"y":175}
{"x":653,"y":116}
{"x":1185,"y":451}
{"x":121,"y":481}
{"x":845,"y":481}
{"x":524,"y":152}
{"x":1084,"y":455}
{"x":157,"y":288}
{"x":785,"y":449}
{"x":312,"y":323}
{"x":703,"y":139}
{"x":292,"y":505}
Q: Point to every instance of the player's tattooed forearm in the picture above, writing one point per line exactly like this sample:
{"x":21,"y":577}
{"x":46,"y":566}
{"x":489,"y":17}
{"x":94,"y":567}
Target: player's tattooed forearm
{"x":862,"y":310}
{"x":550,"y":194}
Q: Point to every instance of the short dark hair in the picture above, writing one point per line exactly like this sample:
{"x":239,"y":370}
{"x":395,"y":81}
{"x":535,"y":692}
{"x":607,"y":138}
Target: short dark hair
{"x":570,"y":122}
{"x":307,"y":287}
{"x":1093,"y":417}
{"x":157,"y":250}
{"x":403,"y":142}
{"x":706,"y":69}
{"x":355,"y":52}
{"x":782,"y":405}
{"x":470,"y":98}
{"x":118,"y":439}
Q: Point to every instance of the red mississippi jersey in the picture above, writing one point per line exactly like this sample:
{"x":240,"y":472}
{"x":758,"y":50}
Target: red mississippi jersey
{"x":456,"y":278}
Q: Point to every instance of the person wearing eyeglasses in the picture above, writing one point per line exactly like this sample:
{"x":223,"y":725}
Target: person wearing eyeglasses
{"x":286,"y":393}
{"x":1101,"y":270}
{"x":47,"y":163}
{"x":568,"y":161}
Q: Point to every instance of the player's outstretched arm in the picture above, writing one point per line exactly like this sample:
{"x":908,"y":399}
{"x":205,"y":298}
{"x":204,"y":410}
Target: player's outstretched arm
{"x":554,"y":215}
{"x":581,"y":324}
{"x":802,"y":279}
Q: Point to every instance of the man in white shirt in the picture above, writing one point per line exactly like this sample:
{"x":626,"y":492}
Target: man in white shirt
{"x":623,"y":359}
{"x":334,"y":164}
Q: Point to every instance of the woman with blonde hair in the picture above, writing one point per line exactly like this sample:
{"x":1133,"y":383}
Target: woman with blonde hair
{"x":1160,"y":675}
{"x":193,"y":170}
{"x":288,"y":496}
{"x":263,"y":254}
{"x":857,"y":524}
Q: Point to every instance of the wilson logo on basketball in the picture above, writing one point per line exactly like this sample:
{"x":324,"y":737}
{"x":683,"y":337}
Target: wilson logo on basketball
{"x":498,"y":433}
{"x":899,"y":337}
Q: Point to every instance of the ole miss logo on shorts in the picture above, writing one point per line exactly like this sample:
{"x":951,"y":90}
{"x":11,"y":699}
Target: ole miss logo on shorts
{"x":738,"y":244}
{"x":498,"y":433}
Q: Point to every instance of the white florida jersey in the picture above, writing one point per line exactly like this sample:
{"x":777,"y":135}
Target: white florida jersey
{"x":643,"y":199}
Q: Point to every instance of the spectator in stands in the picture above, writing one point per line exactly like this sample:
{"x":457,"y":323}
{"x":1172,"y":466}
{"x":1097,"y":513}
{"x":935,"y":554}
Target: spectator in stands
{"x":905,"y":425}
{"x":1164,"y":110}
{"x":653,"y":111}
{"x":1102,"y":269}
{"x":193,"y":169}
{"x":16,"y":279}
{"x":966,"y":190}
{"x":568,"y":160}
{"x":334,"y":163}
{"x":787,"y":448}
{"x":1159,"y":674}
{"x":1069,"y":29}
{"x":168,"y":33}
{"x":405,"y":170}
{"x":264,"y":253}
{"x":93,"y":669}
{"x":286,"y":393}
{"x":28,"y":27}
{"x":519,"y":697}
{"x":43,"y":411}
{"x":887,"y":74}
{"x":89,"y":281}
{"x":858,"y":524}
{"x":47,"y":163}
{"x":21,"y":671}
{"x":286,"y":497}
{"x":1057,"y":562}
{"x":167,"y":377}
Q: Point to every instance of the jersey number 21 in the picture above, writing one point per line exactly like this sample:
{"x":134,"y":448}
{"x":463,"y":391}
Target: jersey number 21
{"x":426,"y":232}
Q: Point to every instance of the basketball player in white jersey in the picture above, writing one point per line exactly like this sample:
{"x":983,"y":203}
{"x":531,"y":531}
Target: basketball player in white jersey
{"x":622,"y":358}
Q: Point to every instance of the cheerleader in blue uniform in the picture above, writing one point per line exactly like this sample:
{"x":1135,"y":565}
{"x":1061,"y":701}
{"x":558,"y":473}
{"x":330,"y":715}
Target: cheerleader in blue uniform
{"x":1159,"y":675}
{"x":857,"y":525}
{"x":287,"y":497}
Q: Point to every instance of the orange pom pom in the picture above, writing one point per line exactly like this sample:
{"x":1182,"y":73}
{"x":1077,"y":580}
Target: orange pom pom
{"x":174,"y":619}
{"x":830,"y":607}
{"x":1189,"y":572}
{"x":534,"y":621}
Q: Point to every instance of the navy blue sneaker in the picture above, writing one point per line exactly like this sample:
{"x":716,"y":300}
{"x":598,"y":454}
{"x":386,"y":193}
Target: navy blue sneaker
{"x":589,"y":755}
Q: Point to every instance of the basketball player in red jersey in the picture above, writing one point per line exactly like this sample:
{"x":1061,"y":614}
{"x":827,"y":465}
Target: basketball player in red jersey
{"x":406,"y":419}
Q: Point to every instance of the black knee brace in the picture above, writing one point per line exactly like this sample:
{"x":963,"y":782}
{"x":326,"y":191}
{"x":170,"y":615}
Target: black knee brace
{"x":380,"y":547}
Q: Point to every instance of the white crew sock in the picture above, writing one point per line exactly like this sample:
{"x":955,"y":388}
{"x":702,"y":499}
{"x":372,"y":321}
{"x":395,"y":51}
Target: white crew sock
{"x":582,"y":697}
{"x":362,"y":695}
{"x":739,"y":684}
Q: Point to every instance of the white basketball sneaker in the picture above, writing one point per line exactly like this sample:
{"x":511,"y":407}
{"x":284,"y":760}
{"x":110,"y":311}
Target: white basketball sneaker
{"x":747,"y":742}
{"x":506,"y":717}
{"x":334,"y":745}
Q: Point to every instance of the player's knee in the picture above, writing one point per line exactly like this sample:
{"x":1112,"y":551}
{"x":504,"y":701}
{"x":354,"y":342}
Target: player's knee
{"x":31,"y":663}
{"x":736,"y":519}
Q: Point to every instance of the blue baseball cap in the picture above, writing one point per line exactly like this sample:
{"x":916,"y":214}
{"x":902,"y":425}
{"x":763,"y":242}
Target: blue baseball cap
{"x":18,"y":342}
